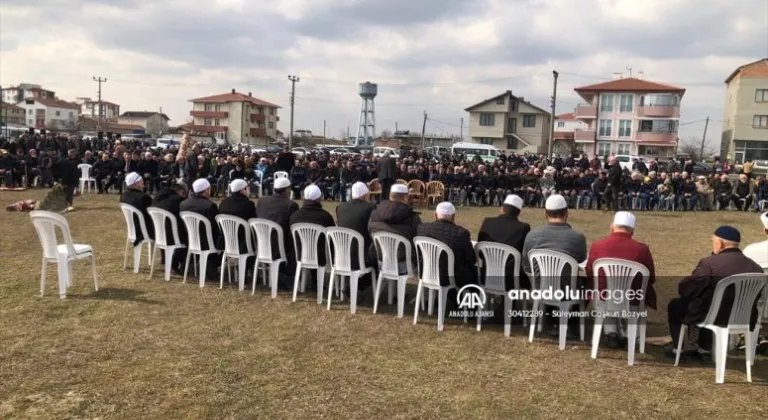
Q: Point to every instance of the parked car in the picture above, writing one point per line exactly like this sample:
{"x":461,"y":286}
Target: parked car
{"x":163,"y":143}
{"x":274,"y":149}
{"x":700,"y":168}
{"x":342,"y":152}
{"x":299,"y":152}
{"x":760,"y":168}
{"x":626,"y":161}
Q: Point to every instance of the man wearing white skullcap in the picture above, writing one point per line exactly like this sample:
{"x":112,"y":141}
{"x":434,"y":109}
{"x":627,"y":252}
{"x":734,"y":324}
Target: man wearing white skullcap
{"x":620,"y":244}
{"x":278,"y":207}
{"x":758,"y":252}
{"x":199,"y":202}
{"x":134,"y":196}
{"x":507,"y":229}
{"x":238,"y":204}
{"x":458,"y":239}
{"x":312,"y":212}
{"x":395,"y":216}
{"x":355,"y":214}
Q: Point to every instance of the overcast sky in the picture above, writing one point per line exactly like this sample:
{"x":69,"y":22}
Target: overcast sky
{"x":435,"y":55}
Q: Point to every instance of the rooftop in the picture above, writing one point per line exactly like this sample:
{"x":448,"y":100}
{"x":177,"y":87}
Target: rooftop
{"x":629,"y":84}
{"x":757,"y":68}
{"x":235,"y":96}
{"x":566,"y":116}
{"x":56,"y":103}
{"x":142,"y":114}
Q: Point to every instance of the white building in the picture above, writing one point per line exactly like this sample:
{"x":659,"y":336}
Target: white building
{"x":154,"y":123}
{"x":16,"y":94}
{"x":235,"y":117}
{"x":89,"y":108}
{"x":565,"y":126}
{"x":53,"y":114}
{"x":745,"y":115}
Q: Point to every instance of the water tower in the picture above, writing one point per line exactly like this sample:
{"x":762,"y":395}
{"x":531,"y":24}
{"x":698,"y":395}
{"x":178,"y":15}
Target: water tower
{"x":366,"y":130}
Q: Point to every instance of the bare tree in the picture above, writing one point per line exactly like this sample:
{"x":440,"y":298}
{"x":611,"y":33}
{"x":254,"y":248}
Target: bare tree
{"x":386,"y":134}
{"x":342,"y":134}
{"x":691,"y":146}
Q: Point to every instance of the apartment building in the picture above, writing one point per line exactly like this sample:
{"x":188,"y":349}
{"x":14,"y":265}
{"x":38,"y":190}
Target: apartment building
{"x":16,"y":94}
{"x":745,"y":115}
{"x":53,"y":114}
{"x":509,"y":123}
{"x":12,"y":115}
{"x":629,"y":116}
{"x":565,"y":127}
{"x":153,"y":123}
{"x":235,"y":117}
{"x":90,"y":108}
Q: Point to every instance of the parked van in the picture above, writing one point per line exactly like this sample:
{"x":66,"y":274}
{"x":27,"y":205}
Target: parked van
{"x":486,"y":152}
{"x":381,"y":151}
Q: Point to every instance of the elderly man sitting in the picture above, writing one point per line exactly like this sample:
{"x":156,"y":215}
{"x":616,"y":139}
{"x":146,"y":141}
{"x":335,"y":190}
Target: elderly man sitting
{"x":445,"y":230}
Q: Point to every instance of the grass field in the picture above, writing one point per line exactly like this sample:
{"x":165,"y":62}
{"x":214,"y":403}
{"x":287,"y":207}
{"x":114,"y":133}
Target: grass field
{"x":147,"y":349}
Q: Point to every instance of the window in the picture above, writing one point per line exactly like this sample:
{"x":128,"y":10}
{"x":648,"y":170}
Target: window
{"x":603,"y":149}
{"x":605,"y":128}
{"x":624,"y":148}
{"x":606,"y":103}
{"x":626,"y":103}
{"x":486,"y":141}
{"x":208,"y":107}
{"x":761,"y":95}
{"x":647,"y":150}
{"x":217,"y":107}
{"x":216,"y":121}
{"x":71,"y":115}
{"x":31,"y":122}
{"x":511,"y":125}
{"x":30,"y":112}
{"x":487,"y":119}
{"x":658,"y":126}
{"x":271,"y":111}
{"x":58,"y":113}
{"x":579,"y":147}
{"x":625,"y":128}
{"x":271,"y":124}
{"x":560,"y":124}
{"x":659,"y":100}
{"x":760,"y":121}
{"x":529,"y":120}
{"x":500,"y":100}
{"x":207,"y":121}
{"x":511,"y":142}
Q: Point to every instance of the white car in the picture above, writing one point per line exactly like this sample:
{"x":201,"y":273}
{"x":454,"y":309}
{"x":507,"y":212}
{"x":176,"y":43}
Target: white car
{"x":342,"y":152}
{"x":164,"y":143}
{"x":626,"y":161}
{"x":299,"y":152}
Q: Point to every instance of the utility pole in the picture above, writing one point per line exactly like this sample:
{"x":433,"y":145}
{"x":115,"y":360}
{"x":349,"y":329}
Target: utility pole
{"x":100,"y":81}
{"x":293,"y":80}
{"x":396,"y":130}
{"x":461,"y":134}
{"x":552,"y":118}
{"x":347,"y":132}
{"x":423,"y":130}
{"x":323,"y":133}
{"x":703,"y":140}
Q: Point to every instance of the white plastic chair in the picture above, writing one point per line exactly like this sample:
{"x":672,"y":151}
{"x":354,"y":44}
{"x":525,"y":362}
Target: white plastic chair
{"x":619,"y":275}
{"x":428,"y":253}
{"x":340,"y":241}
{"x":63,"y":255}
{"x":548,"y":267}
{"x":129,"y":212}
{"x":260,"y":175}
{"x":387,"y":244}
{"x":85,"y":177}
{"x":159,"y":219}
{"x":263,"y":229}
{"x":192,"y":222}
{"x":746,"y":289}
{"x":306,"y":237}
{"x":495,"y":257}
{"x":282,"y":174}
{"x":230,"y":226}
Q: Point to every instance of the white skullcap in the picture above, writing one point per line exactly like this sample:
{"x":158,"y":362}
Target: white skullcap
{"x":624,"y":218}
{"x":200,"y":185}
{"x":764,"y":219}
{"x":445,"y":209}
{"x":237,"y":185}
{"x":312,"y":193}
{"x":281,"y":183}
{"x":132,"y":178}
{"x":399,"y":189}
{"x":514,"y":201}
{"x":555,"y":202}
{"x":359,"y":190}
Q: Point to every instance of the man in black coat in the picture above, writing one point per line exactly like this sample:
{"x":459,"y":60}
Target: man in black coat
{"x":169,"y":199}
{"x":199,"y":202}
{"x":67,"y":172}
{"x":279,"y":208}
{"x":697,"y":290}
{"x":285,"y":161}
{"x":458,"y":240}
{"x":396,"y":216}
{"x":507,"y":229}
{"x":355,"y":214}
{"x":134,"y":196}
{"x":386,"y":168}
{"x":238,"y":204}
{"x":312,"y":212}
{"x":613,"y":187}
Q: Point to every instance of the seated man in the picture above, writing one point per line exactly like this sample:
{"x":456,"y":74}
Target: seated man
{"x":723,"y":191}
{"x":396,"y":216}
{"x":239,"y":205}
{"x":620,"y":244}
{"x":355,"y":214}
{"x":458,"y":239}
{"x":758,"y":252}
{"x":743,"y":191}
{"x":169,"y":199}
{"x":135,"y":196}
{"x":278,"y":208}
{"x":200,"y":202}
{"x":697,"y":290}
{"x":312,"y":211}
{"x":507,"y":229}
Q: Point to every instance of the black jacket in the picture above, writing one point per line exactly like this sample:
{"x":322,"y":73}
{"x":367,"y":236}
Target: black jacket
{"x":279,"y":208}
{"x":170,"y":201}
{"x":355,"y":215}
{"x":459,"y":241}
{"x":141,"y":201}
{"x":315,"y":214}
{"x":385,"y":167}
{"x":207,"y":209}
{"x":614,"y":175}
{"x":508,"y":230}
{"x":66,"y":171}
{"x":394,"y":217}
{"x":240,"y":206}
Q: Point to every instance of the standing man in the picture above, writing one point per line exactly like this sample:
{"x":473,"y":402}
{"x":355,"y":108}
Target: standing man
{"x":67,"y":172}
{"x":134,"y":196}
{"x":386,"y":168}
{"x":613,"y":187}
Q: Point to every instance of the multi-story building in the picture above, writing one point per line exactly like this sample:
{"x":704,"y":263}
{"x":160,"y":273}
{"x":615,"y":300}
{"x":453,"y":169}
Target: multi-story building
{"x":629,"y":116}
{"x":565,"y":126}
{"x":235,"y":117}
{"x":12,"y":115}
{"x":52,"y":114}
{"x":89,"y":108}
{"x":745,"y":117}
{"x":509,"y":123}
{"x":154,"y":123}
{"x":16,"y":94}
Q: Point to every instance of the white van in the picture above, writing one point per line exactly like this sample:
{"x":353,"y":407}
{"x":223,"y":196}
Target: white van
{"x":381,"y":151}
{"x":164,"y":143}
{"x":486,"y":152}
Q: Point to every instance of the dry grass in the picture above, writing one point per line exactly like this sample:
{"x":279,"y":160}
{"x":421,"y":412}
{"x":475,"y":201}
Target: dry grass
{"x":146,"y":349}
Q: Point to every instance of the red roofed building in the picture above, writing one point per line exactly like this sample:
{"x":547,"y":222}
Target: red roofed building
{"x":565,"y":126}
{"x":50,"y":113}
{"x":235,"y":117}
{"x":629,"y":116}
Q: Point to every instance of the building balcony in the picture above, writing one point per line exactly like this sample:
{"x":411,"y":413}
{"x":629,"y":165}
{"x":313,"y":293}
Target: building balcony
{"x":208,"y":128}
{"x":258,"y":132}
{"x":584,"y":136}
{"x":563,"y":135}
{"x":586,"y":111}
{"x":208,"y":114}
{"x":659,"y":111}
{"x":256,"y":117}
{"x":656,"y":138}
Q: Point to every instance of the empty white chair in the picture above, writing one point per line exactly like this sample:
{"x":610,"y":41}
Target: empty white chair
{"x":746,"y":288}
{"x":340,"y":243}
{"x":260,"y":176}
{"x":132,"y":214}
{"x":428,"y":253}
{"x":85,"y":177}
{"x":63,"y":255}
{"x":495,"y":256}
{"x":619,"y":275}
{"x":230,"y":226}
{"x":193,"y":221}
{"x":547,"y":267}
{"x":306,"y":239}
{"x":263,"y":229}
{"x":387,"y":244}
{"x":159,"y":219}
